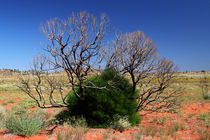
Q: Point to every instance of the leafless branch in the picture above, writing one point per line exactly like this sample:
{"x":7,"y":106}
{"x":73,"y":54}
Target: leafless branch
{"x":136,"y":55}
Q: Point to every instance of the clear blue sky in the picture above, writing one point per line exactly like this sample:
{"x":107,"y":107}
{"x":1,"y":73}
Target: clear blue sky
{"x":180,"y":28}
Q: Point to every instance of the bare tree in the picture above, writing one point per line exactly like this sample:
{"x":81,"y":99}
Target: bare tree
{"x":156,"y":91}
{"x":136,"y":55}
{"x":43,"y":85}
{"x":74,"y":46}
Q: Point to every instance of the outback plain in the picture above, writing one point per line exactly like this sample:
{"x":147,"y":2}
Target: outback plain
{"x":190,"y":120}
{"x":104,"y":70}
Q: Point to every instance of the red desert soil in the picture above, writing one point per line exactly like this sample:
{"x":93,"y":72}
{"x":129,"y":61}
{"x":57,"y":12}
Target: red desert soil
{"x":97,"y":134}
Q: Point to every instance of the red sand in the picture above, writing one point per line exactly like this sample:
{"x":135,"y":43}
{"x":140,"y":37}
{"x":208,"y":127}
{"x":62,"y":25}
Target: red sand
{"x":190,"y":133}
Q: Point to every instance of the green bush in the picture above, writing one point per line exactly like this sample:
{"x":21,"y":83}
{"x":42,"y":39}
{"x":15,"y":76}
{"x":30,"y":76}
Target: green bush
{"x":205,"y":117}
{"x":101,"y":105}
{"x":40,"y":113}
{"x":23,"y":125}
{"x":121,"y":123}
{"x":206,"y":96}
{"x":18,"y":110}
{"x":27,"y":103}
{"x":76,"y":122}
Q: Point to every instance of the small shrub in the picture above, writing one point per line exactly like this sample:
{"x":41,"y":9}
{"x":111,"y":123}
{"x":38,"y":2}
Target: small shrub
{"x":138,"y":135}
{"x":23,"y":125}
{"x":153,"y":131}
{"x":171,"y":132}
{"x":121,"y":123}
{"x":178,"y":126}
{"x":206,"y":96}
{"x":173,"y":110}
{"x":161,"y":120}
{"x":76,"y":122}
{"x":26,"y":104}
{"x":52,"y":121}
{"x":65,"y":118}
{"x":40,"y":113}
{"x":18,"y":110}
{"x":190,"y":115}
{"x":61,"y":117}
{"x":146,"y":130}
{"x":205,"y":117}
{"x":203,"y":134}
{"x":106,"y":135}
{"x":71,"y":134}
{"x":162,"y":133}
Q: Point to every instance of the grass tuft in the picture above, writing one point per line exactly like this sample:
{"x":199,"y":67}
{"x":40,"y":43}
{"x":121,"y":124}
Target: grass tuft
{"x":72,"y":134}
{"x":23,"y":125}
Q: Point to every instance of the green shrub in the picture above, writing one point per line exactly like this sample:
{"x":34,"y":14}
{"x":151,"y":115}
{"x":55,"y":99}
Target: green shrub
{"x":121,"y":123}
{"x":76,"y":122}
{"x":61,"y":117}
{"x":206,"y":96}
{"x":40,"y":113}
{"x":101,"y":105}
{"x":18,"y":110}
{"x":22,"y":107}
{"x":23,"y":125}
{"x":205,"y":117}
{"x":27,"y":103}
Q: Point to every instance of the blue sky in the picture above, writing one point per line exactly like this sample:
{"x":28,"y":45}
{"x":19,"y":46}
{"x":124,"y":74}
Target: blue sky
{"x":180,"y":28}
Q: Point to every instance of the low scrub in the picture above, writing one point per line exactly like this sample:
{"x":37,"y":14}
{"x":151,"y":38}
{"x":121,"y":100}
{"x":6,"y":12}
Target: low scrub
{"x":206,"y":96}
{"x":203,"y":134}
{"x":161,"y":120}
{"x":23,"y":125}
{"x":76,"y":122}
{"x":120,"y":123}
{"x":72,"y":134}
{"x":205,"y":117}
{"x":2,"y":116}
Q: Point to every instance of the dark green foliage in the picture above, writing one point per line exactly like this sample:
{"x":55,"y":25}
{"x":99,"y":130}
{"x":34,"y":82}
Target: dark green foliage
{"x":206,"y":96}
{"x":101,"y":105}
{"x":61,"y":117}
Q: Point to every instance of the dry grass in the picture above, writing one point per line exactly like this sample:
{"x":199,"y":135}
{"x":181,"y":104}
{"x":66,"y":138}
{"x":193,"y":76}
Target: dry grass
{"x":72,"y":134}
{"x":203,"y":134}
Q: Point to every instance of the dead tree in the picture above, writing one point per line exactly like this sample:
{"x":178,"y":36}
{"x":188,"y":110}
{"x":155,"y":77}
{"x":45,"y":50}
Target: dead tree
{"x":156,"y":91}
{"x":136,"y":55}
{"x":75,"y":46}
{"x":44,"y":86}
